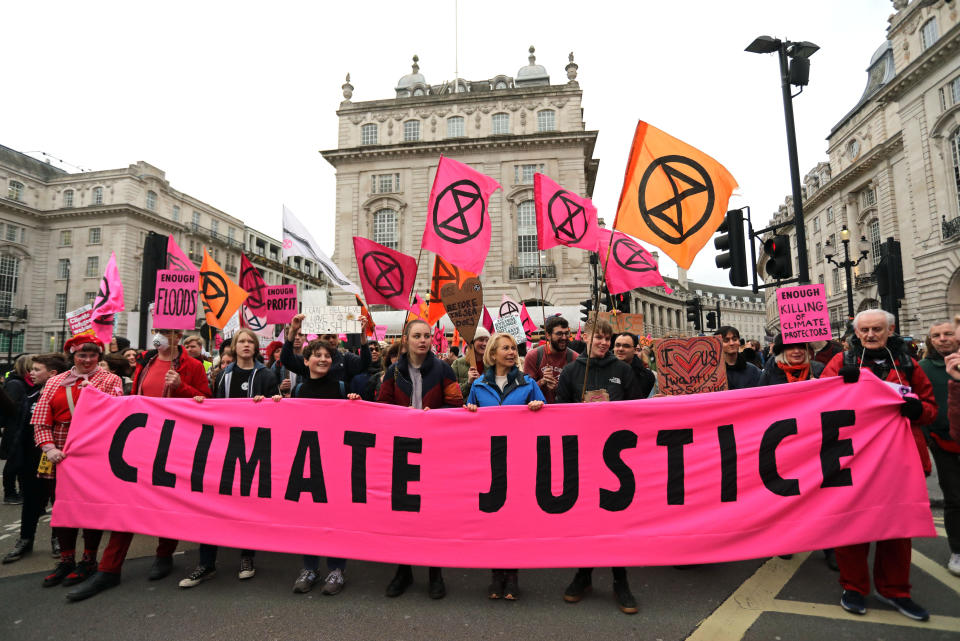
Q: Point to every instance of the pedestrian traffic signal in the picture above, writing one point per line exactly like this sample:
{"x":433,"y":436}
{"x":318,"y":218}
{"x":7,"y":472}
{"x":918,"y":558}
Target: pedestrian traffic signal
{"x":711,"y":320}
{"x":730,"y":241}
{"x":586,"y":306}
{"x":622,"y":303}
{"x":779,"y":264}
{"x":693,"y":313}
{"x":889,"y":275}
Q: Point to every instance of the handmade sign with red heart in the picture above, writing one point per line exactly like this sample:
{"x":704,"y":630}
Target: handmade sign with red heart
{"x":690,"y":365}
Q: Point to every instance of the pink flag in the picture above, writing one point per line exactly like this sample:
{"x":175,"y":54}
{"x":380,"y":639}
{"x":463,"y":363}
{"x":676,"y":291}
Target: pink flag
{"x":386,"y":275}
{"x":528,"y":325}
{"x":458,"y":216}
{"x":440,"y":345}
{"x":563,"y":218}
{"x":487,"y":320}
{"x":631,"y":265}
{"x":108,"y":302}
{"x":579,"y":333}
{"x":253,"y":312}
{"x":176,"y":259}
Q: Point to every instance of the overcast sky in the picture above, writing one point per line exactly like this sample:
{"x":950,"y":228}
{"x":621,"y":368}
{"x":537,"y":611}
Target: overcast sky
{"x":234,"y":100}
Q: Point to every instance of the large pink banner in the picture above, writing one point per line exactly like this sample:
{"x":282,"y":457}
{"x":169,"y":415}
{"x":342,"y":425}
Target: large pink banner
{"x":678,"y":480}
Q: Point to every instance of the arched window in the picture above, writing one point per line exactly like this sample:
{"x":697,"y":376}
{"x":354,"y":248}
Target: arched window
{"x":500,"y":123}
{"x":501,"y":84}
{"x":546,"y":120}
{"x":418,"y":92}
{"x":15,"y":190}
{"x":68,"y":198}
{"x":98,"y":195}
{"x":955,"y":149}
{"x":526,"y":234}
{"x":455,"y":128}
{"x":385,"y":228}
{"x":928,"y":33}
{"x":368,"y":134}
{"x":151,"y":200}
{"x":411,"y":131}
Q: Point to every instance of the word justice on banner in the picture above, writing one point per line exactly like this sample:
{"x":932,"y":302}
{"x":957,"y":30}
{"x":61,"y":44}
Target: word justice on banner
{"x":578,"y":485}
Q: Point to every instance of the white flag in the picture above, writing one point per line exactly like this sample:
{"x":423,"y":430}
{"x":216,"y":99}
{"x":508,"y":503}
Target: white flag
{"x":297,"y":241}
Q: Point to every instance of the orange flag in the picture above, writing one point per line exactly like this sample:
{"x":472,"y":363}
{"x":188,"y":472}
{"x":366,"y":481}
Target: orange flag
{"x":674,"y":196}
{"x":443,"y":272}
{"x":221,"y":296}
{"x":370,"y":329}
{"x":417,"y":310}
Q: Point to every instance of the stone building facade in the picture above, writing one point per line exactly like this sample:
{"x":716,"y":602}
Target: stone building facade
{"x":59,"y":228}
{"x":506,"y":127}
{"x":893,"y":170}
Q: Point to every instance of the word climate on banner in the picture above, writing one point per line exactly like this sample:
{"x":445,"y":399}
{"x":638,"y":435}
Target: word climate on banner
{"x":464,"y":305}
{"x":320,"y":318}
{"x":690,"y":365}
{"x":175,"y":301}
{"x":660,"y":481}
{"x":281,"y":303}
{"x":803,"y":313}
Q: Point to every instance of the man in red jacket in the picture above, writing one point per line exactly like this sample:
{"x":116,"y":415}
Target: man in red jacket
{"x":875,"y":347}
{"x":166,"y":371}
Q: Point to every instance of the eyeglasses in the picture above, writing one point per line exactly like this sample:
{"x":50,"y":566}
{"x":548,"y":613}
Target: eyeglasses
{"x":565,"y":334}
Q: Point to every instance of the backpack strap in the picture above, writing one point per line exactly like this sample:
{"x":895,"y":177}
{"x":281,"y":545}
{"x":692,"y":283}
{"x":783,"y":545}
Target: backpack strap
{"x":343,"y":389}
{"x":296,"y":390}
{"x":541,"y":351}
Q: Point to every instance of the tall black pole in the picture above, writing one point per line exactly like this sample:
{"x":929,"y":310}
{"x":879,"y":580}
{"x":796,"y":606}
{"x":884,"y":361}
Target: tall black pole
{"x":846,"y":267}
{"x":66,"y":295}
{"x":803,"y":276}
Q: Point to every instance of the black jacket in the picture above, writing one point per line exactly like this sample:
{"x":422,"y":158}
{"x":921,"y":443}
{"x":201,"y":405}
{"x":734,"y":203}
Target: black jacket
{"x":344,"y":367}
{"x":262,"y":382}
{"x":742,"y":374}
{"x":607,"y":373}
{"x":643,"y":378}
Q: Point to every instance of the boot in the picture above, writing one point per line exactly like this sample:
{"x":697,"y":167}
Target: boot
{"x":21,"y":547}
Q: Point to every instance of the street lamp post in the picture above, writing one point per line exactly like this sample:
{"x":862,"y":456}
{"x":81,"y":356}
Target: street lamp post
{"x":66,"y":295}
{"x":796,"y":72}
{"x":848,"y":264}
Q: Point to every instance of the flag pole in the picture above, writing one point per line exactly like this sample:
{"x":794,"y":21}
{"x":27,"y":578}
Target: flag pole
{"x":543,"y":308}
{"x":596,"y":311}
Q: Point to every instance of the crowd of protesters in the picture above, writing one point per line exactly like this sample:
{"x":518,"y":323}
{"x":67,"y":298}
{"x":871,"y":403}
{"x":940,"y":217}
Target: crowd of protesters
{"x":40,"y":393}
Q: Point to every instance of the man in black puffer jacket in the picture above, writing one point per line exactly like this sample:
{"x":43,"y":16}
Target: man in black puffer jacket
{"x":740,"y":373}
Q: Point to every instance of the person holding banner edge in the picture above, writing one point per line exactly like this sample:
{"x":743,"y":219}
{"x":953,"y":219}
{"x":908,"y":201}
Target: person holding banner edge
{"x":422,"y":381}
{"x":51,"y":423}
{"x":248,"y":377}
{"x":167,"y":371}
{"x":504,"y":384}
{"x":345,"y":365}
{"x":875,"y":345}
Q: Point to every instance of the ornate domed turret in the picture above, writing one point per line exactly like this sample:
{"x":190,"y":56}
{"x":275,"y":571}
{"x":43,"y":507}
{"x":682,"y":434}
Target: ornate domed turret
{"x":413,"y":81}
{"x":533,"y":74}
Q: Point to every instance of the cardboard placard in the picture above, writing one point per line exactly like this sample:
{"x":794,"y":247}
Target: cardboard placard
{"x":803,"y":313}
{"x":511,"y":324}
{"x":690,"y":365}
{"x":79,"y":321}
{"x":321,"y":318}
{"x":281,"y":303}
{"x":632,"y":323}
{"x":175,"y":299}
{"x":464,"y":305}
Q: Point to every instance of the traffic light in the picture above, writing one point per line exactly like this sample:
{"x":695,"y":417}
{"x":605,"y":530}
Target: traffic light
{"x":693,"y":312}
{"x":711,"y":320}
{"x":779,"y":266}
{"x":622,"y":303}
{"x":586,"y":306}
{"x":731,"y":242}
{"x":889,"y":275}
{"x":605,"y":298}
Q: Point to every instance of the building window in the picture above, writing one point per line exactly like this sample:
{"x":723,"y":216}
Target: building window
{"x":928,"y":33}
{"x":9,"y":280}
{"x":93,"y":266}
{"x":60,"y":306}
{"x":418,"y":92}
{"x":385,"y":183}
{"x":546,"y":120}
{"x":874,"y":236}
{"x":385,"y":228}
{"x":68,"y":198}
{"x":13,"y":233}
{"x":816,"y":223}
{"x":93,"y":237}
{"x":955,"y":149}
{"x":368,"y":134}
{"x":15,"y":190}
{"x":526,"y":234}
{"x":411,"y":131}
{"x":66,"y":237}
{"x":836,"y":281}
{"x":455,"y":127}
{"x":98,"y":195}
{"x":868,"y":197}
{"x":523,"y":174}
{"x":17,"y":346}
{"x":832,"y":242}
{"x":819,"y":252}
{"x":63,"y":269}
{"x":151,"y":200}
{"x":231,"y":235}
{"x":89,"y":298}
{"x":500,"y":124}
{"x":954,"y":92}
{"x":500,"y":85}
{"x":214,"y":227}
{"x":829,"y":214}
{"x":195,"y":220}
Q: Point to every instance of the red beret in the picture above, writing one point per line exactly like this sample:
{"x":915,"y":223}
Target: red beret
{"x":76,"y":343}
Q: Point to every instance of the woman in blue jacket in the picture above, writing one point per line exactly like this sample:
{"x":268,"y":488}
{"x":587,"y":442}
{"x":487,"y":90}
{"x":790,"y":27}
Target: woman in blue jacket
{"x":503,"y":383}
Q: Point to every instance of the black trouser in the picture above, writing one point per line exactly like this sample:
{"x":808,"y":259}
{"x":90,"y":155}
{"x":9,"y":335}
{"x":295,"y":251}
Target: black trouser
{"x":948,"y":473}
{"x":619,"y":574}
{"x":36,"y":493}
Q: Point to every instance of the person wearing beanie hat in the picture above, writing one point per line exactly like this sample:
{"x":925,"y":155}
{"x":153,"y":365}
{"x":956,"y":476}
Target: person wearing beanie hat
{"x":51,"y":423}
{"x":469,"y":367}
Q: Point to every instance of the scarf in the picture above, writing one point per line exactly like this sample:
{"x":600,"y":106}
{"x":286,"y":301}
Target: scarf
{"x":73,"y":376}
{"x":795,"y":373}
